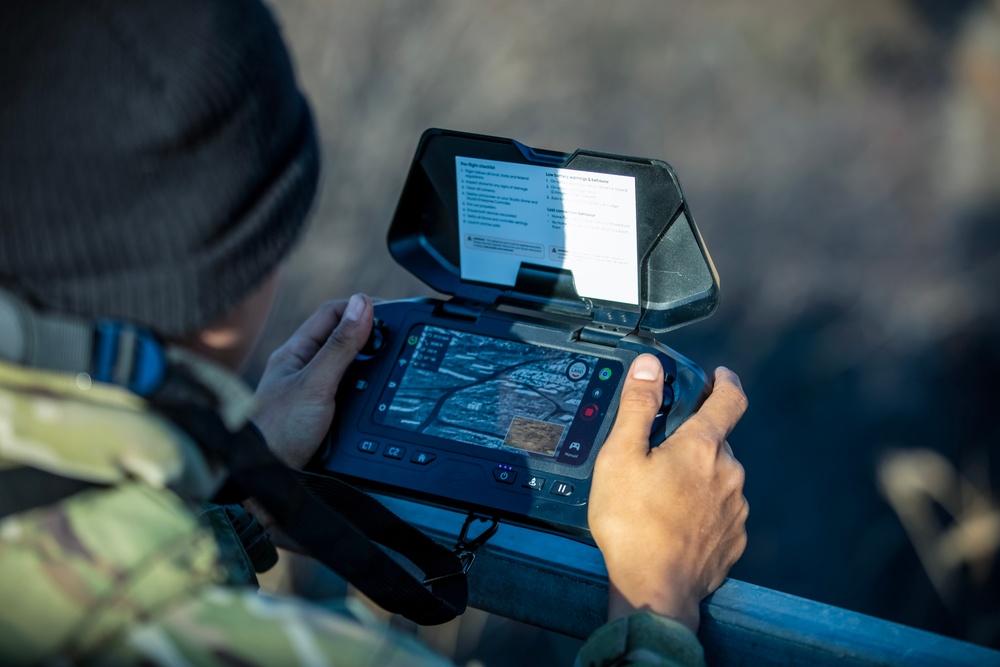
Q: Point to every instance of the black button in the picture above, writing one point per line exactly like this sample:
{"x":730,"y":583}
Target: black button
{"x":360,"y":385}
{"x":534,"y":482}
{"x":368,"y":446}
{"x":561,"y":488}
{"x":504,"y":474}
{"x":394,"y":451}
{"x":422,"y":458}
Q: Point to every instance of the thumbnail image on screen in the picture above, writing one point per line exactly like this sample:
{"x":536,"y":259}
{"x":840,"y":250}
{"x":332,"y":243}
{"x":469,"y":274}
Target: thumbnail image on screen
{"x":485,"y":391}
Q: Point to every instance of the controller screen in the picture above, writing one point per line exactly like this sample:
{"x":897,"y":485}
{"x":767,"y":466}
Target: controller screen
{"x":468,"y":388}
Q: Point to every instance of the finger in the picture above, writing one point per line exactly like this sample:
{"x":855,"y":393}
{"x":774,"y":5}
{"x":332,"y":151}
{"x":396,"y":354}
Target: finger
{"x":343,"y":343}
{"x":721,"y":411}
{"x":641,"y":399}
{"x":307,"y":340}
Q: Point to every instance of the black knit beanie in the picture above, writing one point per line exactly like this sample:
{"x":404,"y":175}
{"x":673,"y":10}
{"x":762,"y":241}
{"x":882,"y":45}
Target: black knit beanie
{"x":157,"y":159}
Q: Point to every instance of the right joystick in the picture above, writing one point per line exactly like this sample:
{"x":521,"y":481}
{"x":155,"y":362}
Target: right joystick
{"x":668,"y":393}
{"x":658,"y":433}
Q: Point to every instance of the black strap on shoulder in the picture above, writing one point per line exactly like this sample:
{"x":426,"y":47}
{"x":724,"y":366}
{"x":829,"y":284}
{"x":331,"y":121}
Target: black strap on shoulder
{"x":23,"y":489}
{"x":342,"y":529}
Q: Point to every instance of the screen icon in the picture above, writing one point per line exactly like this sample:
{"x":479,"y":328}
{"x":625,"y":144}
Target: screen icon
{"x":577,"y":370}
{"x":605,"y":373}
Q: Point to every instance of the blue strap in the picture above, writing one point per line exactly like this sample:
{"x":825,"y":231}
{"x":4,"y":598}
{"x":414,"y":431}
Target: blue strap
{"x":108,"y":350}
{"x":128,"y":356}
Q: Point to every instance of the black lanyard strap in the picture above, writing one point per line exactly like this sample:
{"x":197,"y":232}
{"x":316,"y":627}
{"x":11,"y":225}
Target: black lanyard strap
{"x":338,"y":524}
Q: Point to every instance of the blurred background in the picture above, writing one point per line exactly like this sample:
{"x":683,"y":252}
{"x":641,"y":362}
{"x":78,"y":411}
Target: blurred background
{"x":842,"y":159}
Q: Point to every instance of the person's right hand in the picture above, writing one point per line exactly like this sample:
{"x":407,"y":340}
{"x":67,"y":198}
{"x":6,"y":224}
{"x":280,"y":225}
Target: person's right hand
{"x":670,"y":521}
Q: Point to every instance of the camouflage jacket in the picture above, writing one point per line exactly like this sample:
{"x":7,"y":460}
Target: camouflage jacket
{"x":123,"y":572}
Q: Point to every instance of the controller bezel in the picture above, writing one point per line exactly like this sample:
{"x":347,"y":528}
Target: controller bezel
{"x":461,"y":476}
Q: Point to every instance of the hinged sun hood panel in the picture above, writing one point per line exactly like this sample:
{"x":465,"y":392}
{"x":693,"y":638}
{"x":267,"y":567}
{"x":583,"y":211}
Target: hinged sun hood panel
{"x":676,"y":281}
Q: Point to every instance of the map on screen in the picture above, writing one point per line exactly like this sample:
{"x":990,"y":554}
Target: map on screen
{"x":486,"y":391}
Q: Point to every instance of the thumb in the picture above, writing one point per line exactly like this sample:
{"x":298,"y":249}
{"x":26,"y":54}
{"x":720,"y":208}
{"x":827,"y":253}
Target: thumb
{"x":344,"y":342}
{"x":641,"y":399}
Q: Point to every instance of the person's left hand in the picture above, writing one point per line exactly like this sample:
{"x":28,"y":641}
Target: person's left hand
{"x":295,"y":397}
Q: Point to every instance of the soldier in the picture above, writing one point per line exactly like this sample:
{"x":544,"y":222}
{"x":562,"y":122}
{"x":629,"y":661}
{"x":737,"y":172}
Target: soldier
{"x":157,"y":164}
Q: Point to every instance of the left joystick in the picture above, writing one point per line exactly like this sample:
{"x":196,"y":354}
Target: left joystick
{"x":376,"y":340}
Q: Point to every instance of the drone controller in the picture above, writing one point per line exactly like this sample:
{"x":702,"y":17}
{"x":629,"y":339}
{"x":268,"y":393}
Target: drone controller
{"x":562,"y":270}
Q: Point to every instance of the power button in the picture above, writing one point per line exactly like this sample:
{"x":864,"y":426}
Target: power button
{"x":504,"y":474}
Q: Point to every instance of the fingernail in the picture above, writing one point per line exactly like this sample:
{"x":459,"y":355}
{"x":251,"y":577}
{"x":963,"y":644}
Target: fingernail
{"x":355,"y":307}
{"x":646,"y":367}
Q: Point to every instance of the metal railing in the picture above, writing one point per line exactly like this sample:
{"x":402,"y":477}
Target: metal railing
{"x":561,"y":585}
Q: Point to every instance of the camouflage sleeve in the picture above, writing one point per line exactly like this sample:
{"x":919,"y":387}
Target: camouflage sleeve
{"x":642,"y":638}
{"x":226,"y":626}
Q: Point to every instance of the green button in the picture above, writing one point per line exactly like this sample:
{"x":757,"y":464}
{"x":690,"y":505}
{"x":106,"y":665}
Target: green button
{"x":604,"y":374}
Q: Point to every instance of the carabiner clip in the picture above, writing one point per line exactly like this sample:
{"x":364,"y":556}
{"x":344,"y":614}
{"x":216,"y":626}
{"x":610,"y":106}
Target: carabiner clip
{"x":467,"y":546}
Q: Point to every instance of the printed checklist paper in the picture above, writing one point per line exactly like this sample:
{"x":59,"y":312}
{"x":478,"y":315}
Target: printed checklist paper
{"x":578,"y":220}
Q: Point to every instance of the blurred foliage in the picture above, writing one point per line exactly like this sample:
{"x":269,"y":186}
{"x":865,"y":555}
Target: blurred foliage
{"x":842,"y":159}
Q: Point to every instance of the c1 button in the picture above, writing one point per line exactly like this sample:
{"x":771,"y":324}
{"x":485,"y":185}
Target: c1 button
{"x":504,"y":475}
{"x":368,"y":446}
{"x":561,"y":488}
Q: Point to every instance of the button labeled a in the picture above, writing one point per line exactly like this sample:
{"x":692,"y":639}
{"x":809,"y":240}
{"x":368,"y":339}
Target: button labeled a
{"x":422,"y":458}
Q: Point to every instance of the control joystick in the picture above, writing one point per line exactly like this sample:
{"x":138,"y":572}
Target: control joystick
{"x":376,"y":340}
{"x":658,"y":433}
